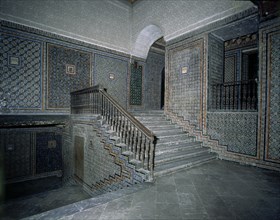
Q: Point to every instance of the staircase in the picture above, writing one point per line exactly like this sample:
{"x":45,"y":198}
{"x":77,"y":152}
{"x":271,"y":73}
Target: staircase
{"x":174,"y":149}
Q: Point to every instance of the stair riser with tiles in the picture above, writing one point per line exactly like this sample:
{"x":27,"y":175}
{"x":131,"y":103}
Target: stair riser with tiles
{"x":112,"y":143}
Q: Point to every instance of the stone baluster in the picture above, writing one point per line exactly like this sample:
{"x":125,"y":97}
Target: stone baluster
{"x":110,"y":114}
{"x":122,"y":127}
{"x":151,"y":156}
{"x":130,"y":136}
{"x":147,"y":149}
{"x":117,"y":121}
{"x":134,"y":140}
{"x":142,"y":150}
{"x":108,"y":111}
{"x":126,"y":132}
{"x":138,"y":146}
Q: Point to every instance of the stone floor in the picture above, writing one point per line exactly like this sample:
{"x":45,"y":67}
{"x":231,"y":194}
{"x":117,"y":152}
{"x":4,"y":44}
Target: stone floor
{"x":216,"y":190}
{"x":29,"y":204}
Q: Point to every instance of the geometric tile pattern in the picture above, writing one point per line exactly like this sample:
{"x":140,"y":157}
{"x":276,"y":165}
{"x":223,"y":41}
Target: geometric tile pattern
{"x":229,"y":74}
{"x":59,"y":83}
{"x":20,"y":82}
{"x":136,"y":85}
{"x":215,"y":68}
{"x":98,"y":163}
{"x":236,"y":130}
{"x":117,"y":87}
{"x":17,"y":148}
{"x":48,"y":158}
{"x":273,"y":150}
{"x":216,"y":59}
{"x":185,"y":89}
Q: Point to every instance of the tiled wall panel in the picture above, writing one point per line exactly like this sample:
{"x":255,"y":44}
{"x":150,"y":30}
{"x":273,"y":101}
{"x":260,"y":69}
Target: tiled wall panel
{"x":40,"y":69}
{"x":185,"y":89}
{"x":236,"y":130}
{"x":215,"y":67}
{"x":48,"y":152}
{"x":31,"y":152}
{"x":215,"y":59}
{"x":136,"y":85}
{"x":21,"y":72}
{"x":273,"y":102}
{"x":230,"y":69}
{"x":60,"y":81}
{"x":17,"y":153}
{"x":116,"y":87}
{"x":98,"y":163}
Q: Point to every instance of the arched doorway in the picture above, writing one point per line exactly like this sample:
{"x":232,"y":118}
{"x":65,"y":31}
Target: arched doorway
{"x":150,"y":46}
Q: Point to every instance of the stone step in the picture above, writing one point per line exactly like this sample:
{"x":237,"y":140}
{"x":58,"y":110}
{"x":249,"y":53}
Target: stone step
{"x":155,"y":115}
{"x":175,"y":166}
{"x":154,"y":120}
{"x":179,"y":155}
{"x":162,"y":127}
{"x":168,"y":142}
{"x":174,"y":131}
{"x":177,"y":147}
{"x":155,"y":123}
{"x":168,"y":138}
{"x":150,"y":117}
{"x":151,"y":112}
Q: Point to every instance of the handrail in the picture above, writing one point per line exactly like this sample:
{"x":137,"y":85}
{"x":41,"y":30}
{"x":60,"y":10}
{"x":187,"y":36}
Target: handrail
{"x":130,"y":116}
{"x":235,"y":83}
{"x":236,"y":95}
{"x":139,"y":141}
{"x":89,"y":89}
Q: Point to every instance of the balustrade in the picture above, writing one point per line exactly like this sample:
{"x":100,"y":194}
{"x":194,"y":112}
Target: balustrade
{"x":136,"y":136}
{"x":241,"y":95}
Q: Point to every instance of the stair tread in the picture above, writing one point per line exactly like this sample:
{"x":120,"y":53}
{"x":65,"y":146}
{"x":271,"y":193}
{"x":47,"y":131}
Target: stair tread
{"x":168,"y":133}
{"x":177,"y":154}
{"x":163,"y":127}
{"x":178,"y":144}
{"x":184,"y":163}
{"x":175,"y":148}
{"x":127,"y":153}
{"x":180,"y":147}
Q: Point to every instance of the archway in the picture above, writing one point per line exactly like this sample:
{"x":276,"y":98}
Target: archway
{"x":145,"y":40}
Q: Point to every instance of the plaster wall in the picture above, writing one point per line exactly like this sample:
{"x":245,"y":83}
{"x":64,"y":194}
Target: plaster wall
{"x":175,"y":18}
{"x":103,"y":23}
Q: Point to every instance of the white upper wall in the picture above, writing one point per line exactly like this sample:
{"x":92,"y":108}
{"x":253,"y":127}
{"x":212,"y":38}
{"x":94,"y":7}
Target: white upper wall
{"x":177,"y":17}
{"x":102,"y":22}
{"x":117,"y":25}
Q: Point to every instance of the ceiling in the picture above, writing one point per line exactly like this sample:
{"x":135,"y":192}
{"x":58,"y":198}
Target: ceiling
{"x":131,"y":1}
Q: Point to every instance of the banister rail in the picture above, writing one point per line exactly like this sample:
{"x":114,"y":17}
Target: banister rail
{"x":238,"y":95}
{"x":138,"y":139}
